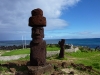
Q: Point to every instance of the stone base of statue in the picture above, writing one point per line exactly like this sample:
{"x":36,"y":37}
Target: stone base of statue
{"x":40,"y":70}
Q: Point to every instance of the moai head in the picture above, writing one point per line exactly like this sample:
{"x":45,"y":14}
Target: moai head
{"x":37,"y":34}
{"x":62,"y":42}
{"x":37,"y":22}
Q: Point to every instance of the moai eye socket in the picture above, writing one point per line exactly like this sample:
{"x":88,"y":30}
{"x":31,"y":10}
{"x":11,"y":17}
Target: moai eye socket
{"x":33,"y":30}
{"x":41,"y":29}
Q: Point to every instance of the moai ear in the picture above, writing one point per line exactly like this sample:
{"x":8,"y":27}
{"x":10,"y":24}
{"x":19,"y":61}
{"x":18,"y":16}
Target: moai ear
{"x":42,"y":32}
{"x":32,"y":30}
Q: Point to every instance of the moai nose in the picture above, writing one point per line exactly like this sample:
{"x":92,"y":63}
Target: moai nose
{"x":37,"y":31}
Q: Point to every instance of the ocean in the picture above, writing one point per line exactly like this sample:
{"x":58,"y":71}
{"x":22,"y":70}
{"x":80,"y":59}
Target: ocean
{"x":90,"y":42}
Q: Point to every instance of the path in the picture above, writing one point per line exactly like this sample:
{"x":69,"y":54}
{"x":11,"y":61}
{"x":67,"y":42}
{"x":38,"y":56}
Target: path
{"x":15,"y":57}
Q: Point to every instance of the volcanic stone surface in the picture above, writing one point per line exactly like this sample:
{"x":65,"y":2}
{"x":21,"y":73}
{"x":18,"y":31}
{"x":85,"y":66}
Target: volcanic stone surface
{"x":37,"y":18}
{"x":36,"y":12}
{"x":61,"y":43}
{"x":37,"y":45}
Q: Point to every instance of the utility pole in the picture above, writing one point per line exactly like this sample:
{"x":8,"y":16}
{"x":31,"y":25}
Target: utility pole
{"x":25,"y":41}
{"x":22,"y":41}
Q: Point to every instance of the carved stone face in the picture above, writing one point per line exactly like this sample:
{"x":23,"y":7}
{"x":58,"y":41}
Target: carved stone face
{"x":37,"y":34}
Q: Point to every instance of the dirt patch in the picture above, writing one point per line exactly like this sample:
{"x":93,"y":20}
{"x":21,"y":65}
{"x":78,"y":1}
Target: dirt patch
{"x":60,"y":67}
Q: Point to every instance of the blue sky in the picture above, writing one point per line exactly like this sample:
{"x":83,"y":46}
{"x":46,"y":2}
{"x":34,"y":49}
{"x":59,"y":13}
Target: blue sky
{"x":65,"y":18}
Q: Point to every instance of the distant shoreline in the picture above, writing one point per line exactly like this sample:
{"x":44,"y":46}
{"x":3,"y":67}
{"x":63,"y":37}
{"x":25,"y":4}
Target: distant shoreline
{"x":90,"y":42}
{"x":52,"y":39}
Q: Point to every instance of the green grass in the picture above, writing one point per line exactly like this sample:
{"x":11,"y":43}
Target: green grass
{"x":16,"y":52}
{"x":87,"y":58}
{"x":2,"y":62}
{"x":56,"y":57}
{"x":80,"y":54}
{"x":53,"y":48}
{"x":3,"y":68}
{"x":27,"y":58}
{"x":27,"y":51}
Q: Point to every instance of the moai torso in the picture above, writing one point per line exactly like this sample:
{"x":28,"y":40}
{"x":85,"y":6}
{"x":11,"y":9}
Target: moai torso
{"x":38,"y":54}
{"x":37,"y":45}
{"x":61,"y":44}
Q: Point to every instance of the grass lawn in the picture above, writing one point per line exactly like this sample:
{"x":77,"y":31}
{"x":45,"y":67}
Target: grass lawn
{"x":16,"y":52}
{"x":26,"y":51}
{"x":53,"y":48}
{"x":87,"y":58}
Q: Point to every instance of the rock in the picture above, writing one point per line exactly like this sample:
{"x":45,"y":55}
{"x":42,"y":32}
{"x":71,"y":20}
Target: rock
{"x":89,"y":68}
{"x":64,"y":64}
{"x":56,"y":67}
{"x":13,"y":70}
{"x":39,"y":70}
{"x":71,"y":73}
{"x":20,"y":73}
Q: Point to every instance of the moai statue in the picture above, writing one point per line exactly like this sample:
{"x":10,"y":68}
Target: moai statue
{"x":37,"y":45}
{"x":61,"y":44}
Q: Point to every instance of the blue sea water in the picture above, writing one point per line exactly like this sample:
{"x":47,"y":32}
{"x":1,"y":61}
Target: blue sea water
{"x":90,"y":42}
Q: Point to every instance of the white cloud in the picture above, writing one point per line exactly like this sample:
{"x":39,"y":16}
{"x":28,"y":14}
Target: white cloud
{"x":59,"y":34}
{"x":14,"y":14}
{"x":55,"y":24}
{"x":85,"y":34}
